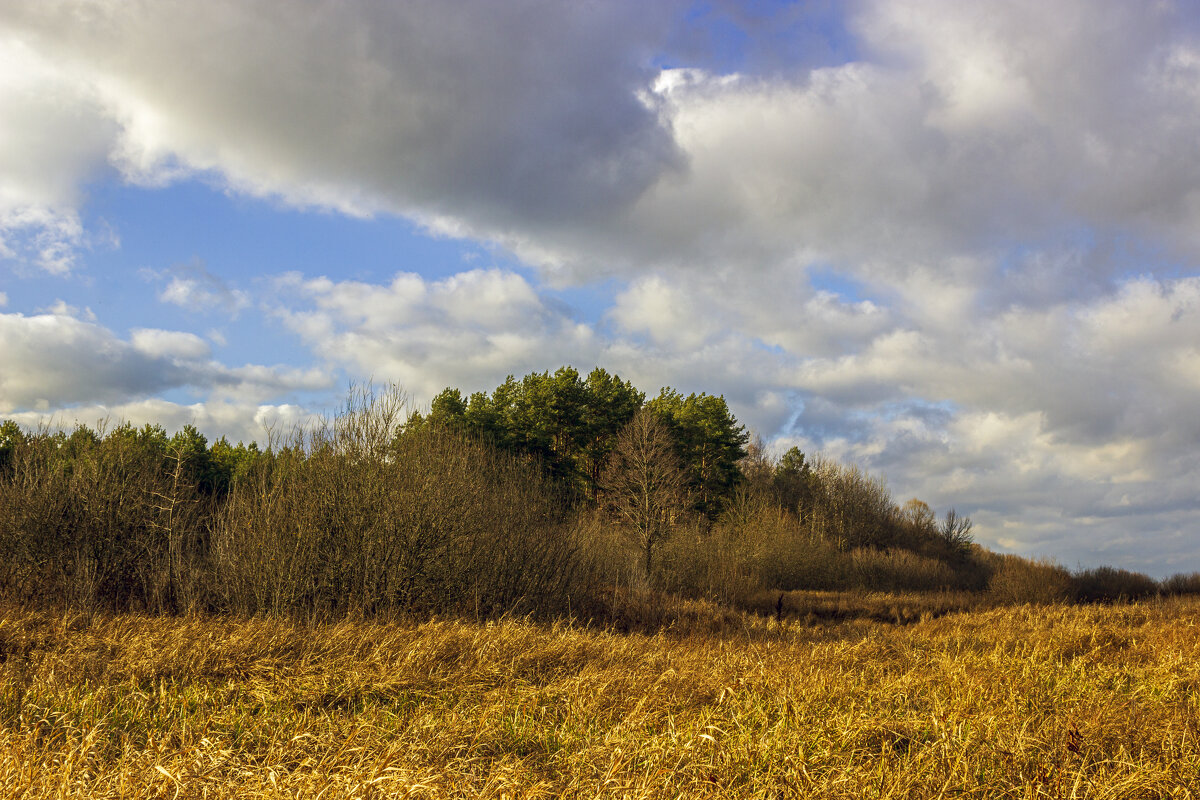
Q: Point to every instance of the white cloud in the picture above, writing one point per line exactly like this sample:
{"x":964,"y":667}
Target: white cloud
{"x":421,"y":108}
{"x":52,"y":137}
{"x":235,"y":420}
{"x":51,"y":360}
{"x":61,"y":308}
{"x":194,"y":288}
{"x":667,"y":312}
{"x":470,"y":329}
{"x":540,"y":126}
{"x":169,"y":344}
{"x":60,"y":359}
{"x":44,"y":237}
{"x":1078,"y":415}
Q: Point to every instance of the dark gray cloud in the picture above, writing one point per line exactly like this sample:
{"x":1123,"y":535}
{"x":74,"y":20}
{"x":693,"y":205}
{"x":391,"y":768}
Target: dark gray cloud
{"x":499,"y":115}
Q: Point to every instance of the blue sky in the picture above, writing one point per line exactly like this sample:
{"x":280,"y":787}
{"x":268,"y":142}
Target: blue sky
{"x":954,"y":242}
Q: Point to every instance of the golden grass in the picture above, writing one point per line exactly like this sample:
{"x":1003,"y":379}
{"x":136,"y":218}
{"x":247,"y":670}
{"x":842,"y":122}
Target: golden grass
{"x":898,"y":607}
{"x":1098,"y":702}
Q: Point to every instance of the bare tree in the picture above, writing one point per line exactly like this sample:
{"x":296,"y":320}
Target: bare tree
{"x":956,"y":533}
{"x":918,"y":524}
{"x":643,"y":484}
{"x":919,"y":515}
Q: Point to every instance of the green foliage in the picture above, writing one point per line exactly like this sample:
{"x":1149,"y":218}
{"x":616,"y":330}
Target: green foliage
{"x":448,"y":410}
{"x":608,"y":405}
{"x":568,"y":423}
{"x":189,"y":448}
{"x":230,"y":464}
{"x":571,"y":424}
{"x":793,"y":484}
{"x":710,"y":443}
{"x":11,"y":437}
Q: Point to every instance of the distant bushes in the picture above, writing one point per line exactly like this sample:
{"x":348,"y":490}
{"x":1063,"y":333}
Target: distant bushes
{"x":757,"y":546}
{"x":344,"y":516}
{"x":1110,"y":583}
{"x":1182,"y":584}
{"x":1021,"y":580}
{"x":1018,"y":580}
{"x":111,"y":519}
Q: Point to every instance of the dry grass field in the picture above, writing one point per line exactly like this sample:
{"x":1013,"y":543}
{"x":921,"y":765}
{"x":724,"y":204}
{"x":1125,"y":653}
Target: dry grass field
{"x":1098,"y":702}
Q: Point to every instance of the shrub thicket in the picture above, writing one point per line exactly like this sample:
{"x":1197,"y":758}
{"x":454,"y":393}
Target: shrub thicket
{"x":352,"y":516}
{"x":513,"y":502}
{"x":1020,"y":580}
{"x":757,"y":545}
{"x":1109,"y":583}
{"x":109,"y":519}
{"x":1182,"y":583}
{"x":349,"y":514}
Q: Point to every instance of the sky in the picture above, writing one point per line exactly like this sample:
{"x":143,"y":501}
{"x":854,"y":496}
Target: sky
{"x":955,"y":242}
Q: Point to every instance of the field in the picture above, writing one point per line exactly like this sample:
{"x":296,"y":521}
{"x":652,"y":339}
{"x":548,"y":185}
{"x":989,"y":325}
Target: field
{"x":1059,"y":701}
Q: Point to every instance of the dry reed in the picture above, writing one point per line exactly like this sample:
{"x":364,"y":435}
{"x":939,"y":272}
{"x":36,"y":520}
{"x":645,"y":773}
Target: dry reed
{"x":1046,"y":701}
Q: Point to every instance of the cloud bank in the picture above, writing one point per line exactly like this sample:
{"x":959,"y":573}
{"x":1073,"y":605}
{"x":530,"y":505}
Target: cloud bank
{"x":966,"y":257}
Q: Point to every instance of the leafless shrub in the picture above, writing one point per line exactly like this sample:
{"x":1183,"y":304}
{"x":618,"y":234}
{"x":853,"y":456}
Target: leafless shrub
{"x":96,"y":519}
{"x":1182,"y":583}
{"x":349,"y":514}
{"x":710,"y":564}
{"x":607,"y":555}
{"x":899,"y":571}
{"x":801,"y":560}
{"x":643,"y":485}
{"x":955,"y":533}
{"x":782,"y":552}
{"x":1109,"y":583}
{"x":850,"y":507}
{"x":1019,"y":580}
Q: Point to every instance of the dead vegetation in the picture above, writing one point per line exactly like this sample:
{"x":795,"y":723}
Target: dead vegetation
{"x":1031,"y":701}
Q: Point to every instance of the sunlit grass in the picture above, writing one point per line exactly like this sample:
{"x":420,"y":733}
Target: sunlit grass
{"x":1026,"y":702}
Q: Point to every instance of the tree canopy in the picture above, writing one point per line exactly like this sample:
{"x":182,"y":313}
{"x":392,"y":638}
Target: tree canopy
{"x":572,"y":423}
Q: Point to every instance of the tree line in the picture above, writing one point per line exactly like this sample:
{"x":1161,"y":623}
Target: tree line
{"x":539,"y":496}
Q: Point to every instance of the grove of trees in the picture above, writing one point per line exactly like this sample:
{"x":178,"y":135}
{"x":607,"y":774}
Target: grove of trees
{"x":571,"y":424}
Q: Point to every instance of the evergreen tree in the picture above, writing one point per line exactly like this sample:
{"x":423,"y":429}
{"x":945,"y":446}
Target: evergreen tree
{"x":609,"y":404}
{"x":710,"y":444}
{"x":11,"y":437}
